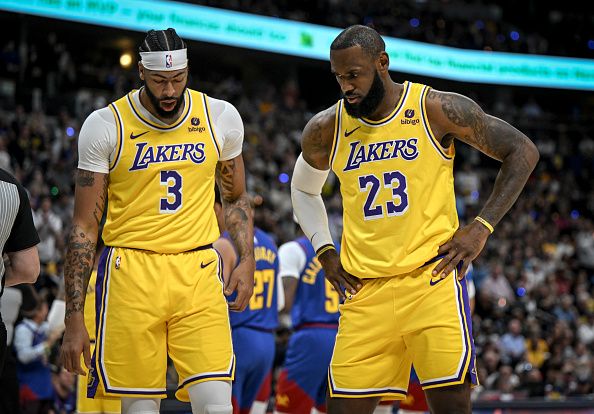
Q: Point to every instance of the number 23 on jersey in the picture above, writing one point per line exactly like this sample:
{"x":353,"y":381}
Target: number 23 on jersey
{"x":393,"y":180}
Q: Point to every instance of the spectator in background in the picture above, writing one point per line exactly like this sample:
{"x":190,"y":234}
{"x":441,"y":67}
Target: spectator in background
{"x":537,"y":350}
{"x":585,"y":331}
{"x":565,"y":311}
{"x":506,"y":382}
{"x":585,"y":244}
{"x":496,"y":286}
{"x":5,"y":162}
{"x":583,"y":363}
{"x":33,"y":343}
{"x":64,"y":392}
{"x":513,"y":343}
{"x":49,"y":227}
{"x":10,"y":305}
{"x":468,"y":183}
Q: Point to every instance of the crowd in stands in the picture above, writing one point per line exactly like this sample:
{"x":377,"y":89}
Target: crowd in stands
{"x":534,"y":318}
{"x":478,"y":24}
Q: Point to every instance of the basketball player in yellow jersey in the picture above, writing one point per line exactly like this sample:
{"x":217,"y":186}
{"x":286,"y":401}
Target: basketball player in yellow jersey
{"x":391,"y":146}
{"x":155,"y":155}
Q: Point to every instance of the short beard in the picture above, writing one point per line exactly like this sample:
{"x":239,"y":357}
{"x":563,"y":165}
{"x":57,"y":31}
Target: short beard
{"x":370,"y":102}
{"x":157,"y":102}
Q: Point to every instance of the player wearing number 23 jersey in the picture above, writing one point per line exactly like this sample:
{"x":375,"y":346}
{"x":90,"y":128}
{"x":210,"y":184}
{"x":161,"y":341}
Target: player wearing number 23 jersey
{"x":397,"y":189}
{"x":159,"y":230}
{"x":403,"y":255}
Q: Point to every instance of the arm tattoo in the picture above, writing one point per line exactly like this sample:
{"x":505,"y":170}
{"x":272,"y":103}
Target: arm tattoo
{"x":237,"y":210}
{"x":85,"y":178}
{"x":224,"y":176}
{"x":77,"y":269}
{"x":239,"y":225}
{"x":318,"y":138}
{"x":497,"y":139}
{"x":100,"y":205}
{"x":313,"y":140}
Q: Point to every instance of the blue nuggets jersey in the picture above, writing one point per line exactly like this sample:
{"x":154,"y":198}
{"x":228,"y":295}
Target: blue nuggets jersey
{"x":316,"y":300}
{"x":262,"y":311}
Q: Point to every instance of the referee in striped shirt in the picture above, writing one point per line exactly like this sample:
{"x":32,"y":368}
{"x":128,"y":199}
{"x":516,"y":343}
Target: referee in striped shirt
{"x":18,"y":242}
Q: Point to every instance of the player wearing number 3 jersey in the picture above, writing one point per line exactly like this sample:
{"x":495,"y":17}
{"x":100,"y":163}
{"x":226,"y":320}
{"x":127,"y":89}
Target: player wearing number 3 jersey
{"x":154,"y":155}
{"x":402,"y":254}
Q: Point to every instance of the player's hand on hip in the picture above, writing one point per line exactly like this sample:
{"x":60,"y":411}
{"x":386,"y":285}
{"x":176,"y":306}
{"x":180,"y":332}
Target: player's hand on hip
{"x":337,"y":276}
{"x":466,"y":244}
{"x":76,"y":342}
{"x":242,"y":281}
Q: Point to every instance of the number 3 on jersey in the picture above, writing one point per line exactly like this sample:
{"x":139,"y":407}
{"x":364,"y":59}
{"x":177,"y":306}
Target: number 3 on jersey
{"x":172,"y":180}
{"x":392,"y":179}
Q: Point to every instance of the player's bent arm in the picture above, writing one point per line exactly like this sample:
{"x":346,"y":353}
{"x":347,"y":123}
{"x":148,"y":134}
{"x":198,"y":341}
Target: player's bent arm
{"x":230,"y":177}
{"x":22,"y":267}
{"x":308,"y":206}
{"x":89,"y":204}
{"x":310,"y":174}
{"x":456,"y":116}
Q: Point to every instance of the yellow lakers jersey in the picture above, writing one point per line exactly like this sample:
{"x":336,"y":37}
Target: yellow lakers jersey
{"x":89,"y":310}
{"x":161,"y":181}
{"x":397,"y":188}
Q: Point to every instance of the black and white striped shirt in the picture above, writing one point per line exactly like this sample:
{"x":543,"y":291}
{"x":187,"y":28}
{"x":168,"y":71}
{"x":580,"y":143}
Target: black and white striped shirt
{"x":17,"y":231}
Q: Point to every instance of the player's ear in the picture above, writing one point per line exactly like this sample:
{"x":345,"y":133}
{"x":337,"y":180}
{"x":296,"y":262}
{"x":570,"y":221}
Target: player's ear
{"x":141,"y":71}
{"x":383,"y":62}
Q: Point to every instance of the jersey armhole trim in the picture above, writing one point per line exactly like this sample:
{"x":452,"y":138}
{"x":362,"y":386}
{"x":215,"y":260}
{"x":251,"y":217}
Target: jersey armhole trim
{"x":119,"y":136}
{"x":210,"y":126}
{"x":447,"y":154}
{"x":337,"y":126}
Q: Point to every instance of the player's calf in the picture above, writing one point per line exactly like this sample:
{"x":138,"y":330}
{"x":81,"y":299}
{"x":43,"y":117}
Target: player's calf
{"x":454,"y":399}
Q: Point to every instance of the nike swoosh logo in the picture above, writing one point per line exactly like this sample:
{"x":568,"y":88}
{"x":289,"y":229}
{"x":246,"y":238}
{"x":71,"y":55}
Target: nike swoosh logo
{"x":313,"y":235}
{"x":347,"y":133}
{"x":434,"y":282}
{"x":132,"y":136}
{"x":202,"y":265}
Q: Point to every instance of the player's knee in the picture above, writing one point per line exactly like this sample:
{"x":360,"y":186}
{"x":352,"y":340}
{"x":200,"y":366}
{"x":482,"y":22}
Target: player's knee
{"x":140,"y":406}
{"x":211,"y":397}
{"x":218,"y":409}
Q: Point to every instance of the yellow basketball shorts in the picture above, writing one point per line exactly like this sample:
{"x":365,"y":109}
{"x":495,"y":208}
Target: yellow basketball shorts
{"x":394,"y":322}
{"x":151,"y":305}
{"x":85,"y":405}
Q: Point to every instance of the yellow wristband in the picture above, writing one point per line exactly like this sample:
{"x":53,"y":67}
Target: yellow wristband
{"x":325,"y":249}
{"x":484,"y":223}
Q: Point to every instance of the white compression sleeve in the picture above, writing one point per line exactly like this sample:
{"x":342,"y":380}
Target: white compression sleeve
{"x":140,"y":406}
{"x":306,"y":190}
{"x":211,"y":397}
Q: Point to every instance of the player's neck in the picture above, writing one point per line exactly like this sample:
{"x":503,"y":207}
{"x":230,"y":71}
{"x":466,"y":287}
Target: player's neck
{"x":387,"y":105}
{"x":148,"y":105}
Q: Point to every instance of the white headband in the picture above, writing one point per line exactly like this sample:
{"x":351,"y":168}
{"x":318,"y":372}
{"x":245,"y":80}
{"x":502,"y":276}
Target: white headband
{"x":165,"y":60}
